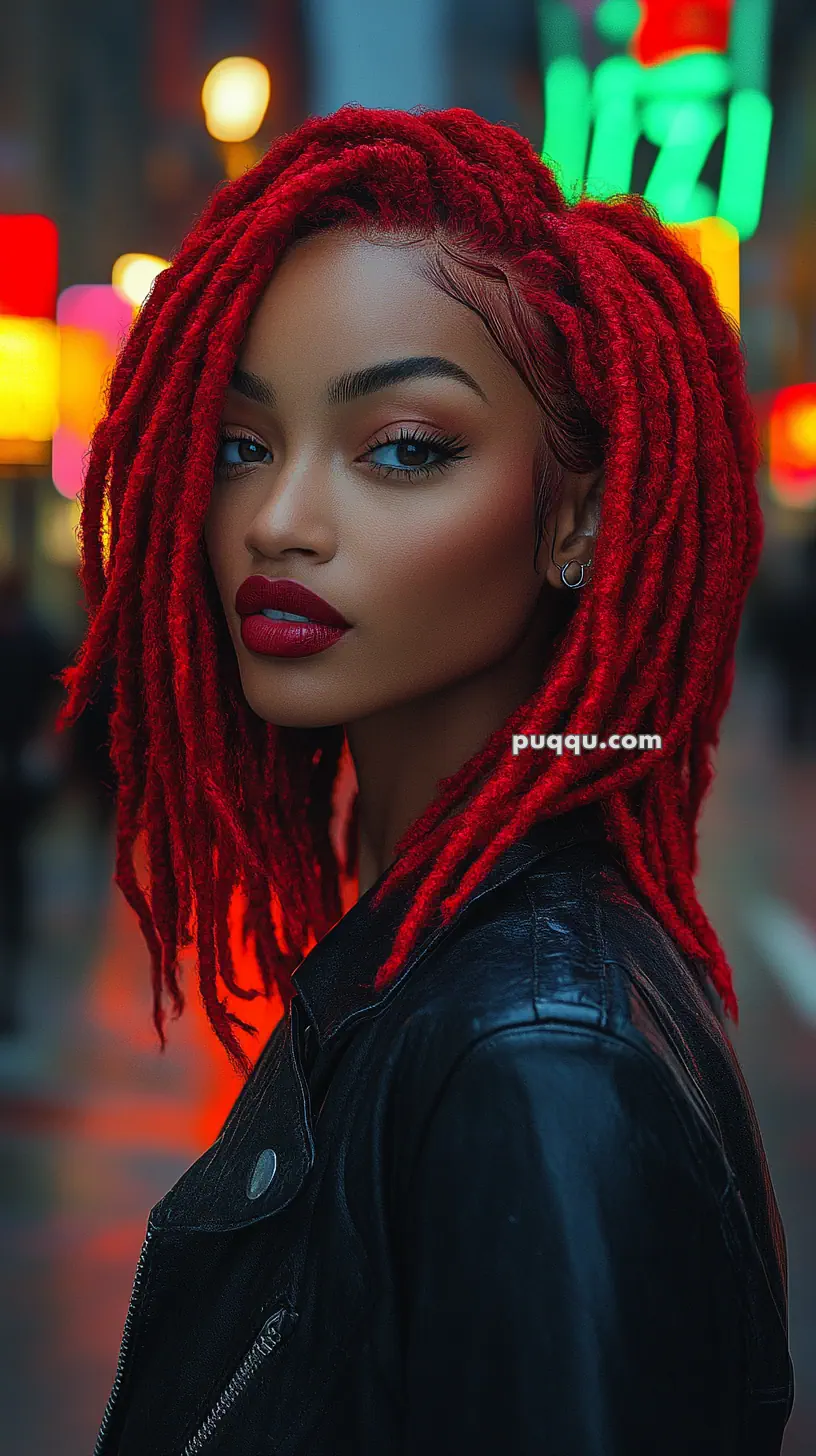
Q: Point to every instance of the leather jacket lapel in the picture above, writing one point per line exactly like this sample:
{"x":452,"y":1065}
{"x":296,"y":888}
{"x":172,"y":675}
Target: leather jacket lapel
{"x":260,"y":1160}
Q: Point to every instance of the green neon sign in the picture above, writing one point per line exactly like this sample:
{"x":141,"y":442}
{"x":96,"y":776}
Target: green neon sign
{"x":594,"y":120}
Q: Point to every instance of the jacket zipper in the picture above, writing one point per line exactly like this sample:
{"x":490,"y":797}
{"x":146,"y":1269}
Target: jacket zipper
{"x":268,"y":1340}
{"x":120,"y":1365}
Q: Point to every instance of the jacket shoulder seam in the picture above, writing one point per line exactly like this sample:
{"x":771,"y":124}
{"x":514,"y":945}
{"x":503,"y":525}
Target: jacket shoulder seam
{"x":581,"y":1032}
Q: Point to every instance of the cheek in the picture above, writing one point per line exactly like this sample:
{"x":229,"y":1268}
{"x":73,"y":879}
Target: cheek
{"x":463,"y":576}
{"x":221,"y":536}
{"x":210,"y":535}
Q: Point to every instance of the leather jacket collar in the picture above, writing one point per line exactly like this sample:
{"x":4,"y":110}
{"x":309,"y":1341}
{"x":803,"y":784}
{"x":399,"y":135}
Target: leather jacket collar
{"x":335,"y":980}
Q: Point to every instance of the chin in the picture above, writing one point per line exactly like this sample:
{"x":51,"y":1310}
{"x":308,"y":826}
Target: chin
{"x":275,"y":709}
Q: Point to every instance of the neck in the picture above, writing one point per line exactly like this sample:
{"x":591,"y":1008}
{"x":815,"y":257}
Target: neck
{"x":401,"y":753}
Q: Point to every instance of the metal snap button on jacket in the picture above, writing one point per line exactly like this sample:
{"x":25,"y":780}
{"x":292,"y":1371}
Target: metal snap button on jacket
{"x":262,"y":1173}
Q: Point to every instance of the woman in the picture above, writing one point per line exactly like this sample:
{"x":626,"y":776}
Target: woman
{"x":494,"y":1183}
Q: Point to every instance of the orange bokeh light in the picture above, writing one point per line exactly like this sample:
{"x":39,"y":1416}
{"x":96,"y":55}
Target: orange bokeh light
{"x":792,"y":445}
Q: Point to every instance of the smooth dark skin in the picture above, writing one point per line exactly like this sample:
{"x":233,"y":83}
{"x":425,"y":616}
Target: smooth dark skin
{"x":450,"y":622}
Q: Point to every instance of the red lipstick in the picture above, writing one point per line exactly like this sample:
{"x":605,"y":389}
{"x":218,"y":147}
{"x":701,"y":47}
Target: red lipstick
{"x":280,"y":637}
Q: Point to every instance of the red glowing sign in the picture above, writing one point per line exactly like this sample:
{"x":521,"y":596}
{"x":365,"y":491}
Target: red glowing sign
{"x":671,"y":28}
{"x":28,"y":265}
{"x":792,"y":443}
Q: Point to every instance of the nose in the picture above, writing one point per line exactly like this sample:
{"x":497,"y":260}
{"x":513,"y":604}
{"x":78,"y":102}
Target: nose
{"x":297,"y":515}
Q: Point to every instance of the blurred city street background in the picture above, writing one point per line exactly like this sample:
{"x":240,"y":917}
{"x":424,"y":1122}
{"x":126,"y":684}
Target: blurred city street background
{"x":113,"y":133}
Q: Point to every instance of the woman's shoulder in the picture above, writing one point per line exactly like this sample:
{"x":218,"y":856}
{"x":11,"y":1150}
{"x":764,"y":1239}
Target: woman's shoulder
{"x":569,"y":966}
{"x":567,"y":944}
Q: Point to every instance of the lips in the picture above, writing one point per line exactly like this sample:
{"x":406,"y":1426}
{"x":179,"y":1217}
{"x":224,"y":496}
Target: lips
{"x":285,"y":595}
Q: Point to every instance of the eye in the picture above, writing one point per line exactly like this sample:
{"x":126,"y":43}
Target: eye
{"x":410,"y":449}
{"x":242,"y":448}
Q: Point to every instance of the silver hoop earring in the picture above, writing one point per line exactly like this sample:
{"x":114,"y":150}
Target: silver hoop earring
{"x":574,"y":584}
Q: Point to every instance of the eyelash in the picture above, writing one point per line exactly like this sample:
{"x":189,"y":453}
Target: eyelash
{"x":451,"y":448}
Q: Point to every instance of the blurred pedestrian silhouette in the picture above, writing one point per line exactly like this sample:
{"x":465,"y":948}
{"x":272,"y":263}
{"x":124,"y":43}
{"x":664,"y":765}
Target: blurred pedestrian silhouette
{"x":31,"y":766}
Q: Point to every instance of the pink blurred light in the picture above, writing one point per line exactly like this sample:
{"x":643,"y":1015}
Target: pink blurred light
{"x":96,"y":306}
{"x":67,"y":462}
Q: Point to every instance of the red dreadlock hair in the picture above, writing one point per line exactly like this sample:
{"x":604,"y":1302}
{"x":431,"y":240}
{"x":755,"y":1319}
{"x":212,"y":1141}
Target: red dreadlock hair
{"x":618,"y":332}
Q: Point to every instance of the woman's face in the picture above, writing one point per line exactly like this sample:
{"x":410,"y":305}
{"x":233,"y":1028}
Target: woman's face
{"x":409,"y":508}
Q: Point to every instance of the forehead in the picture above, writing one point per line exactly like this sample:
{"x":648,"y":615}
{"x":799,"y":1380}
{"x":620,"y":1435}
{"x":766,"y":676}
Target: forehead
{"x":337,"y":299}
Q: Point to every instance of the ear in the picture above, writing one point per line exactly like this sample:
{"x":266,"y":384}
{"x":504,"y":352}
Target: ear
{"x":571,"y":529}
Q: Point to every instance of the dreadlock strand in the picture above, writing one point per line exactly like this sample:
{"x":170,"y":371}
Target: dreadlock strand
{"x":164,"y":907}
{"x":318,"y":809}
{"x":225,"y":881}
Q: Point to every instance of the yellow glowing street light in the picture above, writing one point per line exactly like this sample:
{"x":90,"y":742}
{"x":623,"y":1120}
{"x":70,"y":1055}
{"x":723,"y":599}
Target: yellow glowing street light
{"x":29,"y":384}
{"x":133,"y":275}
{"x":235,"y":96}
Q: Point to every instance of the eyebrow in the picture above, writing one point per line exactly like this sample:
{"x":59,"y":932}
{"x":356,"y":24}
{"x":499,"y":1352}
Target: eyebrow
{"x":355,"y":384}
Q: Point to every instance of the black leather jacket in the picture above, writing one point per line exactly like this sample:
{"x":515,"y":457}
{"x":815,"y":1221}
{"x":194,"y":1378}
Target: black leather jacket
{"x":516,"y":1204}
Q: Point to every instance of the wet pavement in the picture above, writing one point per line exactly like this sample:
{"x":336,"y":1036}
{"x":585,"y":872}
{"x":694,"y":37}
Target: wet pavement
{"x":96,"y":1124}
